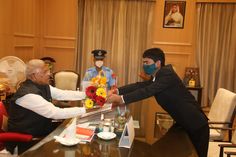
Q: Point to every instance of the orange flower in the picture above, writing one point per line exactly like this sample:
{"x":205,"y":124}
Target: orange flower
{"x":103,"y":80}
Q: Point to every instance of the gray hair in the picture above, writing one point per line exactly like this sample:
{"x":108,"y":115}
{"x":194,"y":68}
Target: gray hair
{"x":33,"y":66}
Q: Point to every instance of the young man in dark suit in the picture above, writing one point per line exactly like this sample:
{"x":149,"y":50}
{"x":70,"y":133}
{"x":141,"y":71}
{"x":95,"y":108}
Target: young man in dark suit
{"x":171,"y":94}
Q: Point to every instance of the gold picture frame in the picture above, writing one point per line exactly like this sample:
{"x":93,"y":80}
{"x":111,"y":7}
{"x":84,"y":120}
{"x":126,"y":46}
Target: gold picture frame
{"x":174,"y":13}
{"x":191,"y":73}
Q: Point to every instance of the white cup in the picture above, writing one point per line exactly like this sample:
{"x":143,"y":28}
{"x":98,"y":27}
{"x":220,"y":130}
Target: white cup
{"x":105,"y":128}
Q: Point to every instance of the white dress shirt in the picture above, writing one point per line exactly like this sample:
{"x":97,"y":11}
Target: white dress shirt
{"x":41,"y":106}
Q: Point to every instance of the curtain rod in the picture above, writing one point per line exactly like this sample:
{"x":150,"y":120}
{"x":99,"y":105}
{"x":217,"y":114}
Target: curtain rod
{"x":142,"y":0}
{"x":216,"y":1}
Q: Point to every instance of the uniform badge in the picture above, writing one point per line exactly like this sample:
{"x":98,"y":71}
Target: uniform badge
{"x":100,"y":53}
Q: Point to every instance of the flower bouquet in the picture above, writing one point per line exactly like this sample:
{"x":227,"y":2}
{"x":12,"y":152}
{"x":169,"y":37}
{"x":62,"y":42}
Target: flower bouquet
{"x":96,"y":92}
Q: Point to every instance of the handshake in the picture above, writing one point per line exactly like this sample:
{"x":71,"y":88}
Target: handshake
{"x":113,"y":97}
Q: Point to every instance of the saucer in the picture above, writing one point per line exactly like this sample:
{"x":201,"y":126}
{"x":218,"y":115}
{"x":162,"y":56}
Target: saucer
{"x":106,"y":135}
{"x":67,"y":141}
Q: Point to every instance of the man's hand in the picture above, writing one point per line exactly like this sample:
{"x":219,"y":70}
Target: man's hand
{"x":144,"y":76}
{"x":114,"y":98}
{"x":112,"y":91}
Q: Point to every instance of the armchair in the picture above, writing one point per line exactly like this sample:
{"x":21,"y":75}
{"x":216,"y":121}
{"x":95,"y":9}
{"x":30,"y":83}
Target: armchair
{"x":9,"y":136}
{"x":222,"y":149}
{"x":67,"y":80}
{"x":222,"y":114}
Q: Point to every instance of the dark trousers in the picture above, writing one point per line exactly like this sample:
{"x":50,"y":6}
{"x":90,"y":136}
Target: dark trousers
{"x":21,"y":146}
{"x":200,"y":140}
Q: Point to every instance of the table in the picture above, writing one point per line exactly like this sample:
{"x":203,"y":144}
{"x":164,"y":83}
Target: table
{"x":174,"y":142}
{"x":49,"y":148}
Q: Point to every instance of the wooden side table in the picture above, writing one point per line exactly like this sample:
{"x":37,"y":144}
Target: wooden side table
{"x":196,"y":92}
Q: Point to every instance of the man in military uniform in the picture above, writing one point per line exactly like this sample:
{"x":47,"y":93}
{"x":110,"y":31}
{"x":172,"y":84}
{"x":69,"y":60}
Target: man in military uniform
{"x":49,"y":61}
{"x":100,"y":69}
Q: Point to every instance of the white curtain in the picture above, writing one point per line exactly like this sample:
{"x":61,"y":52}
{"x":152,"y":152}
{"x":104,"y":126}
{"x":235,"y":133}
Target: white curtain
{"x":216,"y":47}
{"x":123,"y":28}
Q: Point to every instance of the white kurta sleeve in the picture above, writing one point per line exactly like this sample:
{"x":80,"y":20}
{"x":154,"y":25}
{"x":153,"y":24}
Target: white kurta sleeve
{"x":39,"y":105}
{"x":59,"y":94}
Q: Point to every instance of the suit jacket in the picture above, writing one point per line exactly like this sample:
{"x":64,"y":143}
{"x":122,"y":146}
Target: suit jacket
{"x":171,"y":95}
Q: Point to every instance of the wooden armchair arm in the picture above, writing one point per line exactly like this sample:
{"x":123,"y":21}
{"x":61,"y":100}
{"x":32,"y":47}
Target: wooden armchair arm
{"x":13,"y":136}
{"x":222,"y":128}
{"x":226,"y":145}
{"x":229,"y":153}
{"x":212,"y":122}
{"x":230,"y":130}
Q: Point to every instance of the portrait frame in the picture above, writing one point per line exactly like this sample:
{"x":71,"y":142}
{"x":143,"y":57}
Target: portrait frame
{"x":191,"y":73}
{"x":176,"y":19}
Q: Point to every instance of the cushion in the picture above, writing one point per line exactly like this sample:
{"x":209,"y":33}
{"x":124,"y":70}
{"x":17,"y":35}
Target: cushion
{"x":3,"y":118}
{"x":66,"y":80}
{"x":215,"y":134}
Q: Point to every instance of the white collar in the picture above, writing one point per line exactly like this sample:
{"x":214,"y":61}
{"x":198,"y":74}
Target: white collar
{"x":154,"y":78}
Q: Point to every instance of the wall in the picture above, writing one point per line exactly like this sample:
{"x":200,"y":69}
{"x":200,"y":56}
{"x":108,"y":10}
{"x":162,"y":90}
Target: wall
{"x":5,"y":28}
{"x":37,"y":28}
{"x":59,"y":32}
{"x":20,"y":33}
{"x":177,"y":43}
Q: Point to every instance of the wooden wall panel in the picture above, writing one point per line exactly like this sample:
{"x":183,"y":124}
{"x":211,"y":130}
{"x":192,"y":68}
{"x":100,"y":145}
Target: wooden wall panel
{"x":24,"y":16}
{"x":26,"y":28}
{"x":5,"y":17}
{"x":60,"y":41}
{"x":37,"y":28}
{"x":65,"y":57}
{"x":179,"y":61}
{"x":60,"y":18}
{"x":174,"y":34}
{"x":20,"y":28}
{"x":24,"y":52}
{"x":6,"y":46}
{"x":59,"y":32}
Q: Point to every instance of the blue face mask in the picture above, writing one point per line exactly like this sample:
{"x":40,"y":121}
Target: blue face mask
{"x":149,"y":69}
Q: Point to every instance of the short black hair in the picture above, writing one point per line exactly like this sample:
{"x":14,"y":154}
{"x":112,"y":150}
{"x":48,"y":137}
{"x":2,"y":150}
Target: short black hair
{"x":155,"y":54}
{"x":48,"y":59}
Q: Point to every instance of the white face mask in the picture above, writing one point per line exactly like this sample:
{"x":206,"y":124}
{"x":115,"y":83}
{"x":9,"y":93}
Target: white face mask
{"x":99,"y":63}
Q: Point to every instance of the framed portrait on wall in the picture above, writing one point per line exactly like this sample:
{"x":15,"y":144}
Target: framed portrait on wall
{"x":174,"y":13}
